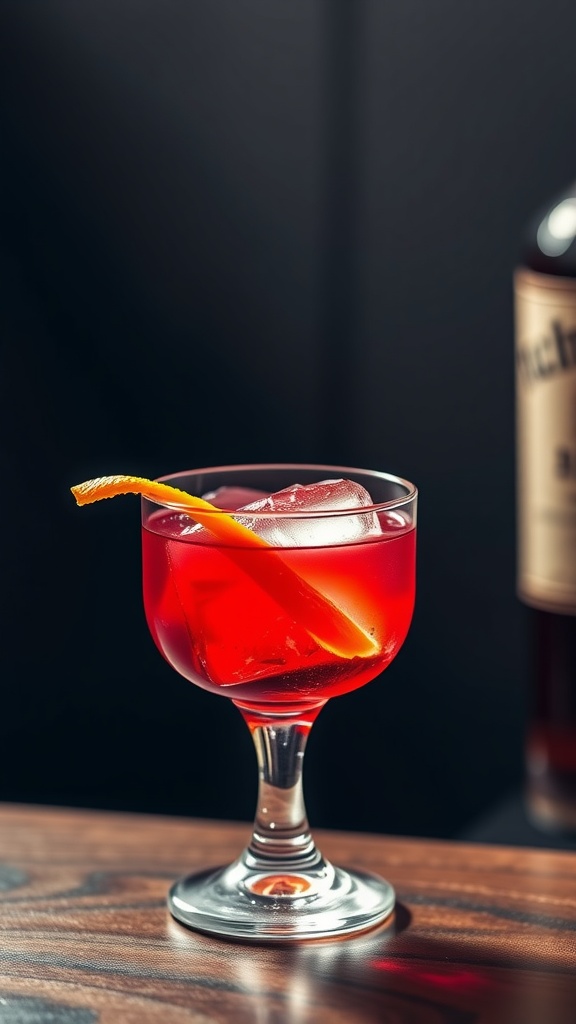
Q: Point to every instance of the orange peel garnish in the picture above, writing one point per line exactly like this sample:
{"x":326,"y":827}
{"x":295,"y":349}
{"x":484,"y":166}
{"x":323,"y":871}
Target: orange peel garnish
{"x":327,"y":624}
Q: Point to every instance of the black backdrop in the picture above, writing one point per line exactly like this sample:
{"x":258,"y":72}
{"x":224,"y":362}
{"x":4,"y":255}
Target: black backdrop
{"x":251,"y":230}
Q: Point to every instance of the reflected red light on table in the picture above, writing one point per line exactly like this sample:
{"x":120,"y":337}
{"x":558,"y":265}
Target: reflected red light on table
{"x":453,"y":977}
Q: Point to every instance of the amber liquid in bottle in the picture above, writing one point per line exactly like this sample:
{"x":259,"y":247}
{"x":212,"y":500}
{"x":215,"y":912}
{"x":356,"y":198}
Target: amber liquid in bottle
{"x":545,"y":296}
{"x":551,"y":733}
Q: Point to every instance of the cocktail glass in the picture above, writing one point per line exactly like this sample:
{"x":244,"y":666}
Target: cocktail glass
{"x":319,"y":606}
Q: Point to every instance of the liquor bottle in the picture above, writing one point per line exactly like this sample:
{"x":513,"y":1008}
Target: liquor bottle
{"x":545,"y":327}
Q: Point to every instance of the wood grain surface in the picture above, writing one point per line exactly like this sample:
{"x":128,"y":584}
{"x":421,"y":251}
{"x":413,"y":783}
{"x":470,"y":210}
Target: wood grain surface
{"x":481,"y":934}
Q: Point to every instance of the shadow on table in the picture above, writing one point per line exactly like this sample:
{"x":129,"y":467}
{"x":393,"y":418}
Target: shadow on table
{"x":391,"y":975}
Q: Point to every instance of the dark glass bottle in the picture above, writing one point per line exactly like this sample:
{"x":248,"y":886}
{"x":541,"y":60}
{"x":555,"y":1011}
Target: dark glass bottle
{"x":545,"y":314}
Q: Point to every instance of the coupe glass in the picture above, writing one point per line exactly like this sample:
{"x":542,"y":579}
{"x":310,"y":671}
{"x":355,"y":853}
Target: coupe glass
{"x":317,"y":607}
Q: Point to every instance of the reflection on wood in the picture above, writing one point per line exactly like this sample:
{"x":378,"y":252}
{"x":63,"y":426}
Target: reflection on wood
{"x":482,"y":935}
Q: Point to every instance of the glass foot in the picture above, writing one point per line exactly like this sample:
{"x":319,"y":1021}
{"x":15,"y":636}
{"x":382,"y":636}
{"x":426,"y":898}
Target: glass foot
{"x":243,"y":902}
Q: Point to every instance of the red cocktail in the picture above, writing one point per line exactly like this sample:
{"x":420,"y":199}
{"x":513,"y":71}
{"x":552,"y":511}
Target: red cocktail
{"x":279,"y":587}
{"x":311,"y":599}
{"x":212,"y":617}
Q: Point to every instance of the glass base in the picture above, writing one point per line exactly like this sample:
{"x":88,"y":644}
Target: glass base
{"x":251,"y":902}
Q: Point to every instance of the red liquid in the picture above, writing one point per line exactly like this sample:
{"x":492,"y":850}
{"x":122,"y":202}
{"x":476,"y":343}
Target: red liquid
{"x":220,"y":629}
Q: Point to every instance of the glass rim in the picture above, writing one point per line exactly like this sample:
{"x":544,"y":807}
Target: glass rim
{"x":375,"y":507}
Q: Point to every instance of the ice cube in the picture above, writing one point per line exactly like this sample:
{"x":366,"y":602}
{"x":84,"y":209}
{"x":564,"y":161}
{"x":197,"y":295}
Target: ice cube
{"x":226,"y":498}
{"x":233,"y":497}
{"x":327,"y":495}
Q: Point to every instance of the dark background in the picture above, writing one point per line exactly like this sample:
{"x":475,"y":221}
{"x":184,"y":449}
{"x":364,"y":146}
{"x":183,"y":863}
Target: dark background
{"x":266,"y":230}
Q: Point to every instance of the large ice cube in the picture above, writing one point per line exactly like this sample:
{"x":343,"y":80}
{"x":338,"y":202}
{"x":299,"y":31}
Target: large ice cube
{"x":233,"y":497}
{"x":327,"y":495}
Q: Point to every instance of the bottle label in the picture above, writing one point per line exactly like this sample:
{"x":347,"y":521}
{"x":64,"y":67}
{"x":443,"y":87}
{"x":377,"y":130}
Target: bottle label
{"x":545,"y":314}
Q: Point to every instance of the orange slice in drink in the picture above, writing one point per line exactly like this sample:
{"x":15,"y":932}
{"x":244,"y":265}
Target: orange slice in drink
{"x":328,"y":625}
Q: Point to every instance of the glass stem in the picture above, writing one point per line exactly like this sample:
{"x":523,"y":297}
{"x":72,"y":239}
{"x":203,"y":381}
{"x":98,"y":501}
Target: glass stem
{"x":281,"y":838}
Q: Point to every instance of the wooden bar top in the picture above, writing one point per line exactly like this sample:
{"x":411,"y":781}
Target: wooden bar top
{"x":482,"y":934}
